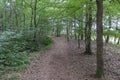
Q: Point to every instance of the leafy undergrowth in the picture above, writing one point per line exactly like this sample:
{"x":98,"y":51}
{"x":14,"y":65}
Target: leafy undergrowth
{"x":16,"y":49}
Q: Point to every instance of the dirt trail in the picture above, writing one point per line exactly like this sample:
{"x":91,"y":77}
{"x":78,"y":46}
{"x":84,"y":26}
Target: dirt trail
{"x":60,"y":62}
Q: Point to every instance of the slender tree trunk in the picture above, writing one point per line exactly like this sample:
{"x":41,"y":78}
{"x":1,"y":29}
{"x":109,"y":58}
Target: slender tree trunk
{"x":16,"y":11}
{"x":86,"y":25}
{"x":11,"y":18}
{"x":78,"y":40}
{"x":117,"y":24}
{"x":2,"y":23}
{"x":5,"y":21}
{"x":88,"y":29}
{"x":70,"y":29}
{"x":35,"y":20}
{"x":57,"y":32}
{"x":81,"y":25}
{"x":16,"y":19}
{"x":35,"y":13}
{"x":74,"y":22}
{"x":110,"y":24}
{"x":118,"y":41}
{"x":24,"y":18}
{"x":67,"y":30}
{"x":32,"y":14}
{"x":100,"y":64}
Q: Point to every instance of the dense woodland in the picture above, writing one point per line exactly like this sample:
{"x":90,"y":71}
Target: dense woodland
{"x":27,"y":26}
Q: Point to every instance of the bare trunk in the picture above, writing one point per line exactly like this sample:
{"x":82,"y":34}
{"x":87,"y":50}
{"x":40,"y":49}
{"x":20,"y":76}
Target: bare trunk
{"x":118,"y":41}
{"x":75,"y":32}
{"x":110,"y":24}
{"x":35,"y":13}
{"x":67,"y":30}
{"x":88,"y":29}
{"x":100,"y":64}
{"x":11,"y":18}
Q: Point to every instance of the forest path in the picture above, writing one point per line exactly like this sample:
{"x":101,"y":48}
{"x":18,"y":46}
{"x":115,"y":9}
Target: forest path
{"x":60,"y":62}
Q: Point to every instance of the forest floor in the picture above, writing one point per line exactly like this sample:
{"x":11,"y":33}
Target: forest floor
{"x":64,"y":61}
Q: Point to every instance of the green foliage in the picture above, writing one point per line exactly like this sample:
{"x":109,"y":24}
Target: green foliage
{"x":46,"y":41}
{"x":15,"y":49}
{"x":32,"y":45}
{"x":12,"y":50}
{"x":113,"y":33}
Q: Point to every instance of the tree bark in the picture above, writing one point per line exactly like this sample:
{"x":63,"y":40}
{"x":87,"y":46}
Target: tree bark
{"x":110,"y":25}
{"x":100,"y":63}
{"x":74,"y":25}
{"x":35,"y":22}
{"x":67,"y":30}
{"x":11,"y":16}
{"x":88,"y":29}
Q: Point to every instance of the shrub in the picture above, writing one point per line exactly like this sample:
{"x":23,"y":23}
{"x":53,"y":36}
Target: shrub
{"x":15,"y":48}
{"x":45,"y":40}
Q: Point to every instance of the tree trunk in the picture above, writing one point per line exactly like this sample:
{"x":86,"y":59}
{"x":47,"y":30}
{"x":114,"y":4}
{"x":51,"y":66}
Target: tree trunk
{"x":117,"y":24}
{"x":74,"y":25}
{"x":57,"y":32}
{"x":67,"y":30}
{"x":78,"y":36}
{"x":2,"y":23}
{"x":11,"y":16}
{"x":110,"y":24}
{"x":16,"y":19}
{"x":100,"y":64}
{"x":35,"y":22}
{"x":118,"y":41}
{"x":24,"y":19}
{"x":88,"y":29}
{"x":31,"y":20}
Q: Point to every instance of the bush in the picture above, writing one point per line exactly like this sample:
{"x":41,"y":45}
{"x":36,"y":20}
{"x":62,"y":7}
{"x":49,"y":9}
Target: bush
{"x":15,"y":48}
{"x":45,"y":40}
{"x":32,"y":45}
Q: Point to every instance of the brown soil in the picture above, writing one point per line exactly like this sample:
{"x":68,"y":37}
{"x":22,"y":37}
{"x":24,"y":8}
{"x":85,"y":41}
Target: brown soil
{"x":63,"y":61}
